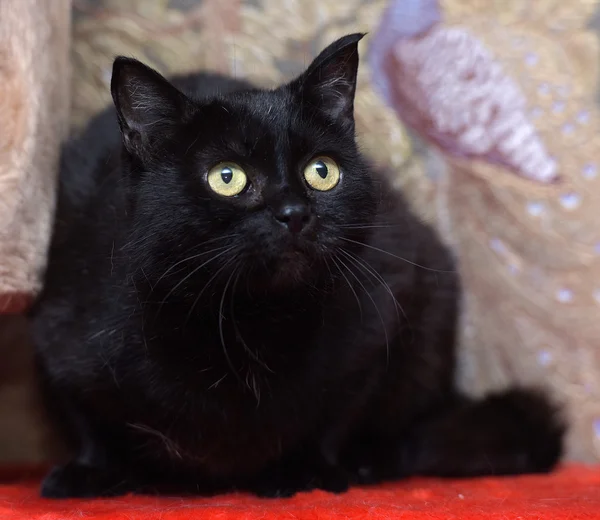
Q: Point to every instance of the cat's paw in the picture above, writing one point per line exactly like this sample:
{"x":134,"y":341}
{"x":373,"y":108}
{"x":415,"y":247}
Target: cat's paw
{"x":275,"y":491}
{"x":334,"y":480}
{"x":281,"y":486}
{"x":365,"y":476}
{"x":75,"y":480}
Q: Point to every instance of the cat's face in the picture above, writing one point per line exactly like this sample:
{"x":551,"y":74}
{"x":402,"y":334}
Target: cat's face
{"x":269,"y":180}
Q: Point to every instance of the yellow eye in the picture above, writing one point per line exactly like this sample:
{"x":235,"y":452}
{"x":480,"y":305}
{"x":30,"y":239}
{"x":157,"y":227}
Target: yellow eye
{"x":227,"y":179}
{"x":322,"y":174}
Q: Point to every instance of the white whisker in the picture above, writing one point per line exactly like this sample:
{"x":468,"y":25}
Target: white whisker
{"x":351,"y":287}
{"x":194,"y":271}
{"x":221,"y":333}
{"x":387,"y":343}
{"x":369,"y":269}
{"x":206,"y":285}
{"x":396,"y":256}
{"x":187,"y":259}
{"x":250,"y":352}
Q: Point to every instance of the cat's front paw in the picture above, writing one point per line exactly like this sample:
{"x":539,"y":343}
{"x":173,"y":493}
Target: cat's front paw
{"x":334,"y":480}
{"x":266,"y":491}
{"x":75,"y":480}
{"x":281,"y":486}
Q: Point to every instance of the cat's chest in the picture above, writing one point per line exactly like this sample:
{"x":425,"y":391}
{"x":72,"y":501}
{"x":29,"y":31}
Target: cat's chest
{"x":235,"y":389}
{"x":228,"y":416}
{"x":270,"y":350}
{"x":253,"y":358}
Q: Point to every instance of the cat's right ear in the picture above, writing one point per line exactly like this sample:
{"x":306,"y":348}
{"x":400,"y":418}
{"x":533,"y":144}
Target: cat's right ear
{"x":329,"y":83}
{"x":147,"y":104}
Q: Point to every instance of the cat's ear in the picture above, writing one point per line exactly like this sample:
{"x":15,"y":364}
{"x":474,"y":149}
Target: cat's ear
{"x":330,"y":80}
{"x":147,"y":104}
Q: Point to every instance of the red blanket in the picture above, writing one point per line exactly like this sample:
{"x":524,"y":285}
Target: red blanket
{"x":572,"y":492}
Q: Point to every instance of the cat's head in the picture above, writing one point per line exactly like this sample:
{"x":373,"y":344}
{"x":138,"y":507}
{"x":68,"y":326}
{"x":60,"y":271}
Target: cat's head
{"x":266,"y":180}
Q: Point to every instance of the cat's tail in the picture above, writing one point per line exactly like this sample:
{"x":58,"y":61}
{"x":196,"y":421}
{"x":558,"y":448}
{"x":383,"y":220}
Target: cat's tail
{"x":511,"y":432}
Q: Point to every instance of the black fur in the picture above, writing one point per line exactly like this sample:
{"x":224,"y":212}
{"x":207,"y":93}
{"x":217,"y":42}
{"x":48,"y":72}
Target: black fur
{"x":192,"y":343}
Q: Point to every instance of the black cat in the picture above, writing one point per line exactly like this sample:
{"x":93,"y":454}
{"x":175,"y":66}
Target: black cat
{"x":235,"y":300}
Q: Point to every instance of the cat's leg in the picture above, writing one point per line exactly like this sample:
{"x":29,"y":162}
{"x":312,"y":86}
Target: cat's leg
{"x":283,"y":478}
{"x":95,"y":470}
{"x":313,"y":467}
{"x":279,"y":481}
{"x":80,"y":479}
{"x":332,"y":476}
{"x":334,"y":473}
{"x":414,"y":381}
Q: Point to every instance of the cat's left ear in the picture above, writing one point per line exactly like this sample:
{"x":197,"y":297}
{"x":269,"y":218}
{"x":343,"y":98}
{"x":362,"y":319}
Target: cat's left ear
{"x":147,"y":104}
{"x":330,"y":80}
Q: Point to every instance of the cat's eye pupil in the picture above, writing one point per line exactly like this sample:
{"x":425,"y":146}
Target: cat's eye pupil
{"x":321,"y":169}
{"x":226,"y":175}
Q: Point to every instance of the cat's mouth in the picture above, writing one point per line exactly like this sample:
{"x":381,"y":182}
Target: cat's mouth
{"x":292,"y":265}
{"x":284,"y":260}
{"x":291,"y":269}
{"x":292,"y":255}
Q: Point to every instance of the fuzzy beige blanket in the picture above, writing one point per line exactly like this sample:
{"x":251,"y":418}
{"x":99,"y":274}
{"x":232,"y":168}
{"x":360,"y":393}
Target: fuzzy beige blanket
{"x":34,"y":103}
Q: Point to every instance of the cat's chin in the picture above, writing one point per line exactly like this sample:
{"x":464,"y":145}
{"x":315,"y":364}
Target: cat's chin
{"x":290,"y":269}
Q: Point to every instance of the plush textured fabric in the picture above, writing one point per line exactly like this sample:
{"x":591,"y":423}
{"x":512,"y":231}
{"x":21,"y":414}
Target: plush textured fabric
{"x":572,"y":492}
{"x":34,"y":102}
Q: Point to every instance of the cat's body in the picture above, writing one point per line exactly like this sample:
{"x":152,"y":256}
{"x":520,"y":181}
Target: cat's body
{"x":275,"y":340}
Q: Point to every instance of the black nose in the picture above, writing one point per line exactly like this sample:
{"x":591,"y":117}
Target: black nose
{"x":295,"y":217}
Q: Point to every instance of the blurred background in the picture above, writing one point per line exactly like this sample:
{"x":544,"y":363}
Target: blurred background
{"x":484,"y":113}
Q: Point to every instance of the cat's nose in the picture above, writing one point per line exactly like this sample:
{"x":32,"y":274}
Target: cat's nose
{"x":295,"y":216}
